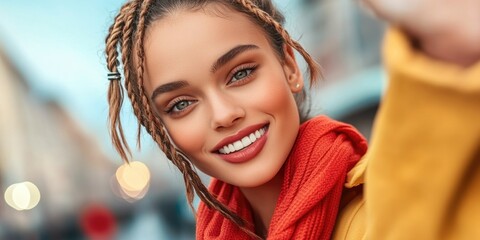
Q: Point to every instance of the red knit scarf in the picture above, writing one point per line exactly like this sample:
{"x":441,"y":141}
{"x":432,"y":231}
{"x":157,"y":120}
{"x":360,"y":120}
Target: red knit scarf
{"x":315,"y":171}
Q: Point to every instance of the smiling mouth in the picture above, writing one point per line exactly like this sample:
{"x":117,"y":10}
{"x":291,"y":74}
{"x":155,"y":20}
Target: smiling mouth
{"x":244,"y":142}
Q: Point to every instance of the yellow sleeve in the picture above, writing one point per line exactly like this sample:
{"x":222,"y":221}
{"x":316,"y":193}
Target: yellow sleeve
{"x":423,"y":173}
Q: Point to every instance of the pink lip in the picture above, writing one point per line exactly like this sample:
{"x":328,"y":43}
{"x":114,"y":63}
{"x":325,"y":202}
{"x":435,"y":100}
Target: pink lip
{"x":238,"y":136}
{"x":247,"y":153}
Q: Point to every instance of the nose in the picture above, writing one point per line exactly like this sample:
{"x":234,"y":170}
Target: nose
{"x":226,"y":111}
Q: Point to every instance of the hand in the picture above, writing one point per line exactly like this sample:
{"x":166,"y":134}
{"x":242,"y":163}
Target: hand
{"x":444,"y":29}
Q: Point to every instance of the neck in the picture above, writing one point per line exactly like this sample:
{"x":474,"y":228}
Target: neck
{"x":263,"y":200}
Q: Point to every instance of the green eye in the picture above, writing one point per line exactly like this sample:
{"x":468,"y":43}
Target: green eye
{"x":180,"y":106}
{"x":241,"y":74}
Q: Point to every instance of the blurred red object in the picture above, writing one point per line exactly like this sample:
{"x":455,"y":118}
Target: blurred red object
{"x":98,"y":222}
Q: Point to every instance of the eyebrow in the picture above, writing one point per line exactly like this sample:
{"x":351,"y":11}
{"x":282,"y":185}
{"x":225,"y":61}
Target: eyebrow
{"x":231,"y":54}
{"x":224,"y":59}
{"x":168,"y":87}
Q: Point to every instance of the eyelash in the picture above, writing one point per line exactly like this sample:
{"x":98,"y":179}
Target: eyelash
{"x":173,"y":104}
{"x":251,"y":68}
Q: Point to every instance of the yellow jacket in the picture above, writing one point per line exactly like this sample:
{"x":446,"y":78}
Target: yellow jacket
{"x":421,"y":174}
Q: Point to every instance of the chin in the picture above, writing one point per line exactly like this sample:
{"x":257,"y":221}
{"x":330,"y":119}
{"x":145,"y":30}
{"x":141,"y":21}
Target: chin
{"x":257,"y":178}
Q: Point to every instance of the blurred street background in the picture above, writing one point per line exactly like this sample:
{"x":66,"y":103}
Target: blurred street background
{"x":59,"y":175}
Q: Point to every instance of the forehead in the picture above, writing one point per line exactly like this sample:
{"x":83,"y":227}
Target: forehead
{"x":187,"y":39}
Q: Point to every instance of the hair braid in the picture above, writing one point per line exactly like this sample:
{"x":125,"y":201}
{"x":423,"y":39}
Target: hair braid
{"x":193,"y":183}
{"x":132,"y":89}
{"x":151,"y":122}
{"x":314,"y":68}
{"x":115,"y":92}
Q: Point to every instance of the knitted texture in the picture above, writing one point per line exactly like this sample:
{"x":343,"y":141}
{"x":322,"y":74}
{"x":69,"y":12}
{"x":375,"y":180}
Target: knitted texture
{"x":315,"y":171}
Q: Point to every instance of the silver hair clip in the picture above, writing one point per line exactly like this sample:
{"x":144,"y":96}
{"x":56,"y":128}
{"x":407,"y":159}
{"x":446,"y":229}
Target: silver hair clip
{"x":112,"y":76}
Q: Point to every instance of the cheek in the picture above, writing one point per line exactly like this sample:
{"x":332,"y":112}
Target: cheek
{"x":278,"y":99}
{"x":188,"y":136}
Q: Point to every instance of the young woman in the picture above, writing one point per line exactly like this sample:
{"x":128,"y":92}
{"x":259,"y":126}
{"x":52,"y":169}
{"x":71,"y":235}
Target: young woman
{"x":217,"y":86}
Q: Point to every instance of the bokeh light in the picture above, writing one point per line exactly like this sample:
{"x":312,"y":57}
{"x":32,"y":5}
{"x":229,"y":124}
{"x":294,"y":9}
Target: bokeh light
{"x":133,"y":179}
{"x":22,"y":196}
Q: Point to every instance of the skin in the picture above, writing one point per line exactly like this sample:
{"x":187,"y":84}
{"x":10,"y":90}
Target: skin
{"x":213,"y":105}
{"x":444,"y":29}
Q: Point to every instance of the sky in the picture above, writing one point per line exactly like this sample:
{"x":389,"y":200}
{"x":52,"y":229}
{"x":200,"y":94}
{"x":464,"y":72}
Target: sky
{"x":58,"y":46}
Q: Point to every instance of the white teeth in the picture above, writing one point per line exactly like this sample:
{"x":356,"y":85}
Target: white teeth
{"x":252,"y":137}
{"x":225,"y":150}
{"x":238,"y":145}
{"x":244,"y":142}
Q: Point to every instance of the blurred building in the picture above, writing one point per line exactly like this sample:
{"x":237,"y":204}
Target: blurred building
{"x":346,"y":42}
{"x":41,"y":143}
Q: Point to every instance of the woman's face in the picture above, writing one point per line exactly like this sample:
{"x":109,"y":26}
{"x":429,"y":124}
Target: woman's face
{"x":223,"y":94}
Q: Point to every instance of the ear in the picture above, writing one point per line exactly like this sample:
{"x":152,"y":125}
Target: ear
{"x":292,"y":72}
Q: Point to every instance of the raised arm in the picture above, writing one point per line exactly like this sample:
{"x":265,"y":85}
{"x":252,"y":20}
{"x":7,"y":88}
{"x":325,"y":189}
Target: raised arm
{"x":423,"y":174}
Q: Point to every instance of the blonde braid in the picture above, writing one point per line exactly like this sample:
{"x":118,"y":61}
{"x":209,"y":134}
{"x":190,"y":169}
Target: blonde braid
{"x":115,"y":92}
{"x":314,"y":68}
{"x":152,"y":124}
{"x":132,"y":89}
{"x":193,"y":183}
